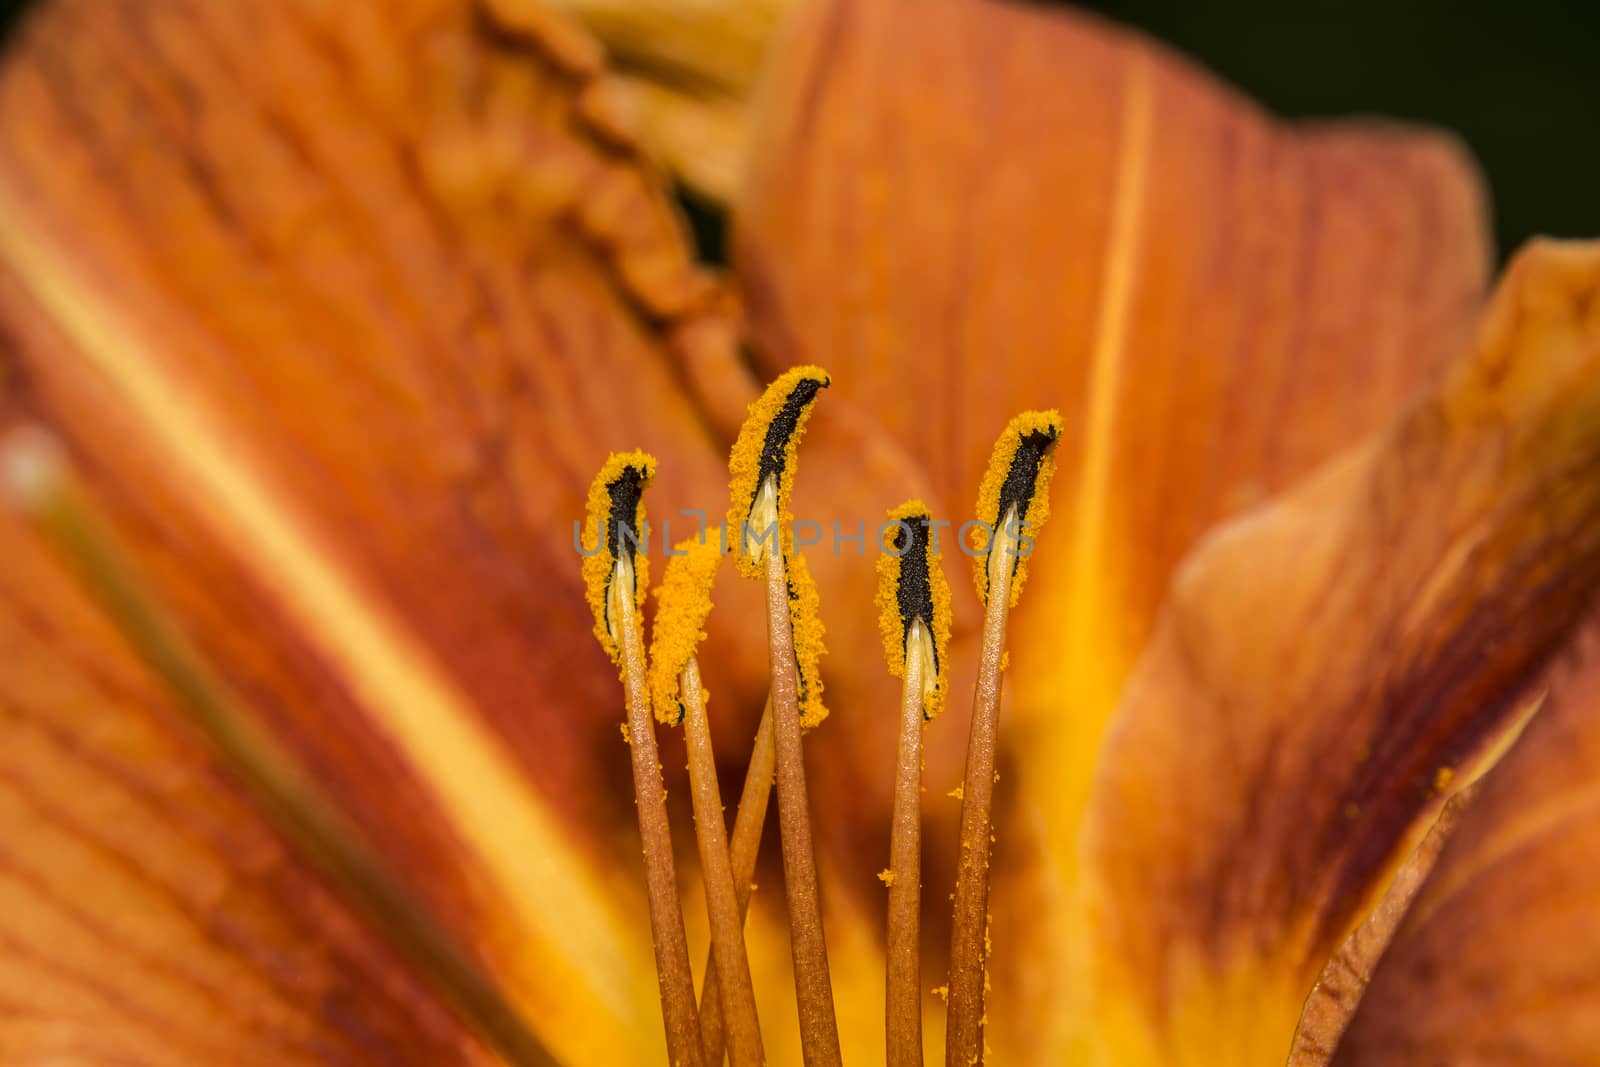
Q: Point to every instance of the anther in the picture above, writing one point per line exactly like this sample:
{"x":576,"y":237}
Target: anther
{"x":911,"y":586}
{"x":614,"y":514}
{"x":763,"y":462}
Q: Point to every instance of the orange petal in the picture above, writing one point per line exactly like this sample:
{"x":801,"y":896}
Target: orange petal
{"x":1329,"y":668}
{"x":1497,"y":961}
{"x":970,"y":209}
{"x":1346,"y":975}
{"x":147,"y":909}
{"x":340,"y":306}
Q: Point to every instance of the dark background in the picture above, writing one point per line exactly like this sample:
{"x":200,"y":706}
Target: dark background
{"x":1520,"y":81}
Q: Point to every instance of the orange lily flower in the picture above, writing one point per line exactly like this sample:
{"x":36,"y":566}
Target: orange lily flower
{"x":337,"y":308}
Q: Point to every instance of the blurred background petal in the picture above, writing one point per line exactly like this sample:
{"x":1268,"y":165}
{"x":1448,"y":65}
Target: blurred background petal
{"x":687,"y":68}
{"x":1329,"y":668}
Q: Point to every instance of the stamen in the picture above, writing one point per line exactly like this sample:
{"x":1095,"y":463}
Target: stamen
{"x":616,"y":495}
{"x":37,"y":480}
{"x":914,"y":614}
{"x":1013,"y":499}
{"x":819,"y":1030}
{"x":683,"y":603}
{"x":744,"y":847}
{"x":761,"y":466}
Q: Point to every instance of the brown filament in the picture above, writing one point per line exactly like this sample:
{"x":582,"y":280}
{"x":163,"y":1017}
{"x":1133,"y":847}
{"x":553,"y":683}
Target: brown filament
{"x":736,"y":992}
{"x":968,"y":933}
{"x":903,"y":977}
{"x":819,"y":1030}
{"x":743,"y":848}
{"x":673,"y":977}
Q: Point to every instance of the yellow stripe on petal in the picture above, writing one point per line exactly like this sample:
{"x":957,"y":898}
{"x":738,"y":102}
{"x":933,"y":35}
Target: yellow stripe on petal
{"x":573,"y":958}
{"x":149,"y":909}
{"x":331,"y":351}
{"x":35,"y":475}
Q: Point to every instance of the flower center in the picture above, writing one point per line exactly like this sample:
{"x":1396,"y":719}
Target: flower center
{"x":914,"y":603}
{"x":914,"y":607}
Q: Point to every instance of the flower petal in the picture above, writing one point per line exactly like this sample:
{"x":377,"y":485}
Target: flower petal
{"x":1496,"y":963}
{"x":147,"y":909}
{"x":340,"y":307}
{"x":967,"y":209}
{"x":1346,"y":975}
{"x":1332,"y":666}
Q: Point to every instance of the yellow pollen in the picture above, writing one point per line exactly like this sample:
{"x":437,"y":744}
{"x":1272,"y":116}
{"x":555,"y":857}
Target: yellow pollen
{"x":805,"y":615}
{"x":683,"y":603}
{"x":886,"y":876}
